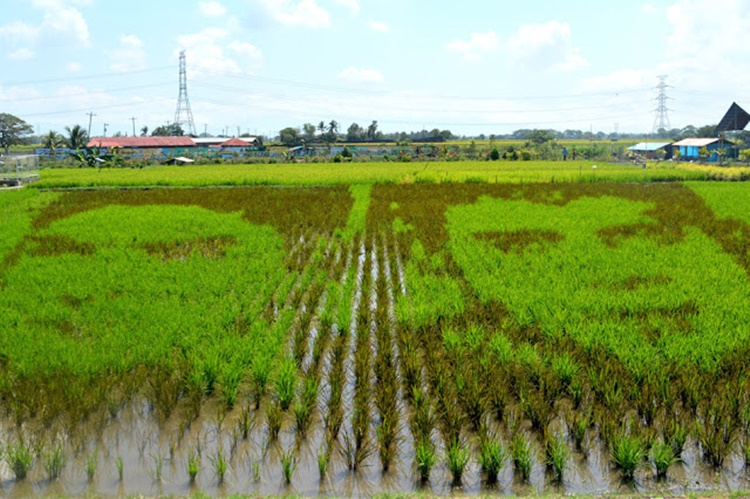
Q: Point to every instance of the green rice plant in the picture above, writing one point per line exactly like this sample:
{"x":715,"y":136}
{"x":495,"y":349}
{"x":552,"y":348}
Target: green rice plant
{"x":323,"y":460}
{"x":556,"y":456}
{"x":92,"y":462}
{"x":193,"y":464}
{"x":302,"y":413}
{"x":261,"y":375}
{"x":492,"y":456}
{"x":676,"y":435}
{"x":288,"y":465}
{"x":716,"y":434}
{"x":286,"y":381}
{"x":120,"y":465}
{"x":580,"y":424}
{"x":246,"y":422}
{"x":627,"y":453}
{"x":220,"y":464}
{"x":565,"y":369}
{"x":520,"y":452}
{"x":425,"y":458}
{"x":273,"y":419}
{"x":158,"y":464}
{"x":19,"y":457}
{"x":54,"y":461}
{"x":662,"y":455}
{"x":457,"y":458}
{"x":229,"y":382}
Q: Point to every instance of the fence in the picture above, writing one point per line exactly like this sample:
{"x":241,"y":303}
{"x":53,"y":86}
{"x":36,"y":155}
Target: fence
{"x":19,"y":170}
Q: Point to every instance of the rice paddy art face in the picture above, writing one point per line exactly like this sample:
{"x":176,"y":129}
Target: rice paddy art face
{"x":601,"y":271}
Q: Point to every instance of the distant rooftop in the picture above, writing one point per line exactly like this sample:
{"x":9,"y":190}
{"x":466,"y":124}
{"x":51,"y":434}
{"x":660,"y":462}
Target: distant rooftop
{"x":649,"y":146}
{"x":142,"y":142}
{"x":698,"y":142}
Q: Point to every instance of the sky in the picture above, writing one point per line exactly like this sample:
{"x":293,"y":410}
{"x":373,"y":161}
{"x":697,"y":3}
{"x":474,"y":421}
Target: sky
{"x":472,"y":67}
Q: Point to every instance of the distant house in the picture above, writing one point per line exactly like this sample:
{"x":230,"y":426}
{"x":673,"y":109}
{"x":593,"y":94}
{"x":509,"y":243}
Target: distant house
{"x":650,"y":149}
{"x":142,"y":142}
{"x":689,"y":148}
{"x":217,"y":142}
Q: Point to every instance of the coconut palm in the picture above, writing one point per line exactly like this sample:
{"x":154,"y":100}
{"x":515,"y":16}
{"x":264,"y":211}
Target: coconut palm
{"x":77,"y":137}
{"x":53,"y":140}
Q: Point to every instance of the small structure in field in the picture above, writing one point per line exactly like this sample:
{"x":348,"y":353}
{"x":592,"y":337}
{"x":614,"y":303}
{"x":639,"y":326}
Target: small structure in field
{"x":690,"y":149}
{"x":18,"y":170}
{"x":651,"y":150}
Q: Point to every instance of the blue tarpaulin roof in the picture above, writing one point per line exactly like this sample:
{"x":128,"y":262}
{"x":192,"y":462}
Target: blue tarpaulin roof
{"x":648,"y":146}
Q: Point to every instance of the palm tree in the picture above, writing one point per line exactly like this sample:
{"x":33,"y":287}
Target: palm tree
{"x":53,"y":140}
{"x":77,"y":137}
{"x":333,"y":127}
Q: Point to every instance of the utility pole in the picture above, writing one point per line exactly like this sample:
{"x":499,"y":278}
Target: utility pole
{"x":205,"y":129}
{"x":238,"y":131}
{"x":105,"y":129}
{"x":91,"y":117}
{"x":133,"y":120}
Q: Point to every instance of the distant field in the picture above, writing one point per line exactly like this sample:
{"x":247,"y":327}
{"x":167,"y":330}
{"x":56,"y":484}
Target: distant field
{"x":366,"y":173}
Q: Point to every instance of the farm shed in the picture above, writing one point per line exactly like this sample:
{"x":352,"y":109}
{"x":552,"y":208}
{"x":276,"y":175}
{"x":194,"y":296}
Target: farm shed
{"x":689,"y":148}
{"x":650,"y":149}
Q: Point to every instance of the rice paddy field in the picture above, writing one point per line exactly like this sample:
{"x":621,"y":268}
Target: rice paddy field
{"x":381,"y":172}
{"x":349,"y":340}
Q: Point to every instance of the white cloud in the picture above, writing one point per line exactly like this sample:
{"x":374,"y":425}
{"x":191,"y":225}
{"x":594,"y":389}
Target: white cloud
{"x":246,"y":50}
{"x":547,"y":46}
{"x":353,"y":5}
{"x":306,"y":13}
{"x":215,"y":49}
{"x":649,"y":9}
{"x":703,"y":29}
{"x":19,"y":32}
{"x":22,"y":54}
{"x":212,"y":9}
{"x":378,"y":26}
{"x":361,"y":75}
{"x":73,"y":67}
{"x":130,"y":56}
{"x":61,"y":18}
{"x":478,"y":45}
{"x":623,"y":79}
{"x":61,"y":23}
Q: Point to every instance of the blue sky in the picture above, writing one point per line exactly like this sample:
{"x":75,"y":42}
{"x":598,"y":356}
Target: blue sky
{"x":471,"y":67}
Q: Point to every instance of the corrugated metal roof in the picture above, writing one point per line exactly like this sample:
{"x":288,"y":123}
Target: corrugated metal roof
{"x":142,"y":142}
{"x":235,"y":142}
{"x":697,"y":142}
{"x":648,"y":146}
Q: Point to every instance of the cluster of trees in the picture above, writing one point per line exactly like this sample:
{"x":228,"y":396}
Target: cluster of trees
{"x":329,"y":133}
{"x":675,"y":134}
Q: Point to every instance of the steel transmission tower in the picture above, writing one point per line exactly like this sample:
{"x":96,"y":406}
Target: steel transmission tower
{"x":183,"y":116}
{"x":661,"y":121}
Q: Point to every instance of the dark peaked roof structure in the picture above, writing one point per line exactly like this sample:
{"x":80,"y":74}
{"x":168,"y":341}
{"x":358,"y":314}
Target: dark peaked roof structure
{"x":735,"y":119}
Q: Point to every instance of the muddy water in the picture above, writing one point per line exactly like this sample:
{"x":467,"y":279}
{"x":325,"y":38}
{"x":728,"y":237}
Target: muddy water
{"x":254,"y":467}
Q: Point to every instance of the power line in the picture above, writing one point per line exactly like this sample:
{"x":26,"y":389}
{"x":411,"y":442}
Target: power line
{"x":84,"y":94}
{"x":88,"y":77}
{"x":336,"y":88}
